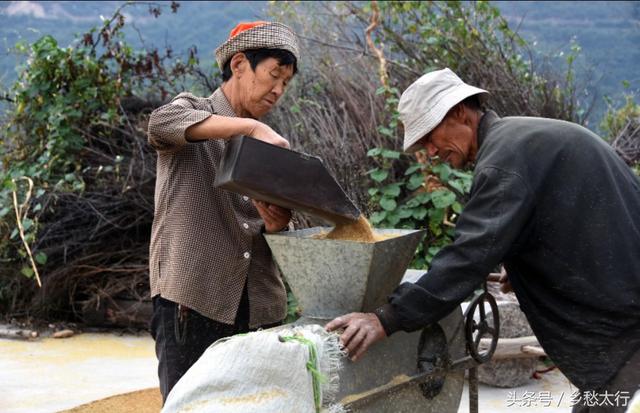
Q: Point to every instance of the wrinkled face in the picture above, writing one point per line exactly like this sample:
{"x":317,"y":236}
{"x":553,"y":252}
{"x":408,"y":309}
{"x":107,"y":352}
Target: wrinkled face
{"x":261,"y":89}
{"x":452,"y":141}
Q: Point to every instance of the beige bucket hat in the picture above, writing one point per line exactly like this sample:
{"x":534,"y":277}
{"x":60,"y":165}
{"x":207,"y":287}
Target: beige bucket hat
{"x":257,"y":35}
{"x":427,"y":101}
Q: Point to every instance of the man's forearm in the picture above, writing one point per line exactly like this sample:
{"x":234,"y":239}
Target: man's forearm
{"x":220,"y":127}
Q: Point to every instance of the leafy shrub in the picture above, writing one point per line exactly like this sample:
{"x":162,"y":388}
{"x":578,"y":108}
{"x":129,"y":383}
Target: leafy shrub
{"x":76,"y":132}
{"x":411,"y":202}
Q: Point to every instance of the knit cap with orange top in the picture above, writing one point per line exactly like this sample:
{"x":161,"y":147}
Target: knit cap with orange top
{"x":257,"y":35}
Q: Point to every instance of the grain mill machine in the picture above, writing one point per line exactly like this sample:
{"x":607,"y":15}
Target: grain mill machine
{"x":422,"y":371}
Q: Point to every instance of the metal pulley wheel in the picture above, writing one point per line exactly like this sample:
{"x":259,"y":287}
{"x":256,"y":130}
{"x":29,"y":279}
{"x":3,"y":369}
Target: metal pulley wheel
{"x":475,"y":330}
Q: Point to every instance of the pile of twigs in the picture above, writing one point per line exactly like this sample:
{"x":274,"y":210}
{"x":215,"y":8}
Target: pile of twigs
{"x":97,"y":240}
{"x":627,"y":142}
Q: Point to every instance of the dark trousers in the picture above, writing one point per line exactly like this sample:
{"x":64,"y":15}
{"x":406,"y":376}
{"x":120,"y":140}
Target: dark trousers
{"x":182,"y":335}
{"x":626,"y":381}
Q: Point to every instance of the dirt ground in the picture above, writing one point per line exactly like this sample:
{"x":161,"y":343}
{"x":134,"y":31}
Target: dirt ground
{"x":141,"y":401}
{"x":491,"y":399}
{"x":51,"y":375}
{"x":96,"y":373}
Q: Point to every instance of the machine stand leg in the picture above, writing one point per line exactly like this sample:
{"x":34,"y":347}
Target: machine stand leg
{"x":473,"y":390}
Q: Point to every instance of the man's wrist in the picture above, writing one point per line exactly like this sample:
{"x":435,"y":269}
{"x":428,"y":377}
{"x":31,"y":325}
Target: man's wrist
{"x":388,"y":318}
{"x":264,"y":230}
{"x":250,"y":126}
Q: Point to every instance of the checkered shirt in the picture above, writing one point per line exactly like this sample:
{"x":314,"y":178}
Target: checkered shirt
{"x":206,"y":242}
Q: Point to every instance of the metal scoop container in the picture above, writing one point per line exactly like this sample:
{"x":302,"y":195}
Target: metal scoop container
{"x":283,"y":177}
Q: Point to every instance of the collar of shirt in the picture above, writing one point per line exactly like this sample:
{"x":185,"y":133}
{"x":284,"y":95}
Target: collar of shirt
{"x":221,"y":104}
{"x":486,"y":121}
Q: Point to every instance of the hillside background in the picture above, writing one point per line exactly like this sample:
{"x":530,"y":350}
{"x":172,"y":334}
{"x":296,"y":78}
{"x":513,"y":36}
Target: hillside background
{"x":607,"y":32}
{"x":74,"y":149}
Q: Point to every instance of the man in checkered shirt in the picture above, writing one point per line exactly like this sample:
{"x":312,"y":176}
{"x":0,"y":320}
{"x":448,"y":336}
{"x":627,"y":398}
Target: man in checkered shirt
{"x":212,"y":274}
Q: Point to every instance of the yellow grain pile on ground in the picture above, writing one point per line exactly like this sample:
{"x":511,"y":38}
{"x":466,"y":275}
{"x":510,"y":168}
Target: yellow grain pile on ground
{"x":359,"y":231}
{"x":142,"y":401}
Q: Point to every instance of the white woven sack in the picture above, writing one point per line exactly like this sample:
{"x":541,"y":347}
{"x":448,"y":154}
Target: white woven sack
{"x":262,"y":372}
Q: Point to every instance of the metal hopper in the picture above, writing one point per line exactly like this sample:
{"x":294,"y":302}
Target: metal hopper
{"x":334,"y":277}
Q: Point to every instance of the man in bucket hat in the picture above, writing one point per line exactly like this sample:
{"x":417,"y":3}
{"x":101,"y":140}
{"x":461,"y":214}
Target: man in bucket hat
{"x":556,"y":205}
{"x":211,"y":271}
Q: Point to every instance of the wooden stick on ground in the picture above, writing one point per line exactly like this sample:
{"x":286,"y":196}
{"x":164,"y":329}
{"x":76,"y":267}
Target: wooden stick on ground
{"x":514,"y":348}
{"x":21,"y":212}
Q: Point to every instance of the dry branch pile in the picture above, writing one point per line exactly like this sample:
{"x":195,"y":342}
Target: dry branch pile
{"x":97,"y":240}
{"x":627,"y":142}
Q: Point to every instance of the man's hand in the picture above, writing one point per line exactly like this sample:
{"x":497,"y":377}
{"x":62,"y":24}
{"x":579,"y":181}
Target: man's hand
{"x":361,"y":330}
{"x":264,"y":133}
{"x":275,"y":218}
{"x":505,"y":284}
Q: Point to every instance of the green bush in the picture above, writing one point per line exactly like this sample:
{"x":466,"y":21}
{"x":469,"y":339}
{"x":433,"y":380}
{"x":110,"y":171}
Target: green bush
{"x":408,"y":202}
{"x":75,"y":130}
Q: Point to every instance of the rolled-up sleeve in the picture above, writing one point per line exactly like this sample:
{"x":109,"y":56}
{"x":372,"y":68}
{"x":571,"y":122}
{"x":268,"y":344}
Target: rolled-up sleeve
{"x":501,"y":203}
{"x":168,"y":123}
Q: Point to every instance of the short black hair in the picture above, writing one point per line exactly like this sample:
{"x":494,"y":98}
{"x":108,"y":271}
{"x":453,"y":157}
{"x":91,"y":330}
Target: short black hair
{"x":255,"y":56}
{"x":473,"y":102}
